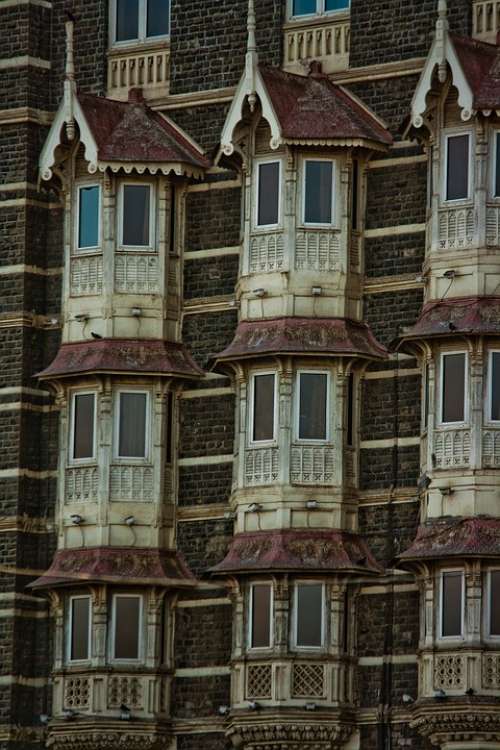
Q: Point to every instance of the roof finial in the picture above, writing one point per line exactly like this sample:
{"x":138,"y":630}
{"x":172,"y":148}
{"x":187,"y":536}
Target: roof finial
{"x":442,"y":28}
{"x":252,"y":59}
{"x":70,"y":83}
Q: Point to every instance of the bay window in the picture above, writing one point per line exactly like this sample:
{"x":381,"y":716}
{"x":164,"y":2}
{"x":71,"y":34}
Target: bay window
{"x":136,"y":216}
{"x":132,"y":424}
{"x":83,"y":419}
{"x":493,"y":398}
{"x":268,"y":202}
{"x":308,"y":615}
{"x":263,"y":408}
{"x":312,"y":409}
{"x":452,"y":604}
{"x":261,"y":606}
{"x":139,"y":20}
{"x":317,"y":7}
{"x":453,"y":387}
{"x":126,"y":627}
{"x":458,"y":167}
{"x":88,"y":218}
{"x":494,"y":603}
{"x":80,"y":628}
{"x":318,"y":192}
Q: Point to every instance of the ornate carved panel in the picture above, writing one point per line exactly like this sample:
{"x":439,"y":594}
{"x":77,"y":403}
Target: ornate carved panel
{"x":267,"y":253}
{"x":133,"y":483}
{"x":136,"y":274}
{"x":317,"y":250}
{"x":259,"y":681}
{"x":76,"y":693}
{"x":457,"y":228}
{"x":261,"y":466}
{"x":312,"y":464}
{"x":82,"y":484}
{"x":308,"y":681}
{"x":86,"y":276}
{"x":449,"y":672}
{"x":452,"y":448}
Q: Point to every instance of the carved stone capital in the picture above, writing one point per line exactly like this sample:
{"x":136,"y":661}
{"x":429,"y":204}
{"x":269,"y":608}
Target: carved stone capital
{"x":102,"y":735}
{"x":289,"y":734}
{"x":457,"y":721}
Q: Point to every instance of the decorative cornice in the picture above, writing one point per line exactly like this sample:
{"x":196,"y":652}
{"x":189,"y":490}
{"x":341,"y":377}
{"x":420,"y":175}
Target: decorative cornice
{"x":289,"y":735}
{"x":455,"y":722}
{"x":101,"y":735}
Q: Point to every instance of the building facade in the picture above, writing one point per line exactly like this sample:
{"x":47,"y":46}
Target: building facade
{"x":250,"y":383}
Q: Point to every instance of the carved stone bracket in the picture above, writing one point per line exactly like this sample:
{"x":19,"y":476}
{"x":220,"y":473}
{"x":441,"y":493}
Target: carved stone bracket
{"x":458,"y":722}
{"x":108,"y":736}
{"x":290,"y":735}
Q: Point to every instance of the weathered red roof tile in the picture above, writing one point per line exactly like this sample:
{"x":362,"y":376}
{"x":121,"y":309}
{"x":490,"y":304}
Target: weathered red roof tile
{"x":480,"y":63}
{"x":459,"y":537}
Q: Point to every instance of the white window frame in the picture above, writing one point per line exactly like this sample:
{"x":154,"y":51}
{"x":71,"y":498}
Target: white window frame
{"x":333,"y":222}
{"x":116,"y":427}
{"x":151,"y":246}
{"x":142,"y":27}
{"x":327,"y":439}
{"x":441,"y":389}
{"x":94,"y":248}
{"x":71,"y":447}
{"x":451,"y":638}
{"x":258,"y":164}
{"x":295,"y":619}
{"x":250,"y":617}
{"x":320,"y":11}
{"x":140,"y":655}
{"x":444,"y":184}
{"x":69,"y":639}
{"x":251,"y":410}
{"x":489,"y":389}
{"x":487,"y":609}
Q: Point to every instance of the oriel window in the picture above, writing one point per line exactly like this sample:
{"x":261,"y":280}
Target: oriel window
{"x":453,"y":387}
{"x":83,"y":426}
{"x":261,"y":615}
{"x":88,"y":231}
{"x":136,"y":219}
{"x":263,"y":407}
{"x":452,"y":604}
{"x":313,"y":405}
{"x":457,"y":167}
{"x":268,"y":194}
{"x":80,"y":628}
{"x":318,"y":192}
{"x":127,"y":615}
{"x":137,"y":20}
{"x":309,"y":615}
{"x":133,"y":424}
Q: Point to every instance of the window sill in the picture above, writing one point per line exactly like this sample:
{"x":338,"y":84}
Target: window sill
{"x":148,"y":45}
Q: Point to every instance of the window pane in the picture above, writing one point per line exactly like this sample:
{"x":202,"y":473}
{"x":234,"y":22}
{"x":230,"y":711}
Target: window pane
{"x":261,"y":616}
{"x":303,"y":7}
{"x":83,"y":439}
{"x":309,"y":615}
{"x":136,"y":204}
{"x":263,"y":407}
{"x":88,"y":219}
{"x":336,"y":4}
{"x":458,"y":167}
{"x":350,"y":411}
{"x":426,"y":396}
{"x":452,"y":604}
{"x":495,"y":603}
{"x":132,"y":438}
{"x":312,"y":408}
{"x":127,"y":615}
{"x":495,"y":385}
{"x":80,"y":623}
{"x":497,"y":166}
{"x":318,"y":197}
{"x":158,"y":17}
{"x":268,"y":208}
{"x":127,"y":20}
{"x":453,"y":387}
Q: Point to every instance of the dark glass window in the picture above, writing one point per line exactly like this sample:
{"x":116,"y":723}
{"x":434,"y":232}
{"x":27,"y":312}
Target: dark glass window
{"x":336,"y":5}
{"x":127,"y":20}
{"x":83,"y":425}
{"x":495,"y":386}
{"x":263,"y":407}
{"x":88,"y":217}
{"x":495,"y":602}
{"x":132,"y":427}
{"x":452,"y":604}
{"x":136,"y":214}
{"x":350,"y":411}
{"x":269,"y":199}
{"x":457,"y":177}
{"x":355,"y":194}
{"x":318,"y":192}
{"x":158,"y":17}
{"x":127,"y":624}
{"x":304,"y":7}
{"x":313,"y":389}
{"x":261,"y":615}
{"x":310,"y":615}
{"x":426,"y":396}
{"x":453,"y":396}
{"x":497,"y":165}
{"x":80,"y":628}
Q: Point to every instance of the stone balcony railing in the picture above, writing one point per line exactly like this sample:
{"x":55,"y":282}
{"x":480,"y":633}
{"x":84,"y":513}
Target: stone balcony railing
{"x":86,"y":275}
{"x":452,"y":448}
{"x":147,"y":67}
{"x":104,"y":693}
{"x":325,"y":38}
{"x":261,"y":466}
{"x":457,"y":228}
{"x":81,"y":484}
{"x":486,"y":20}
{"x":458,"y":671}
{"x":136,"y":273}
{"x":317,"y":250}
{"x":312,"y":464}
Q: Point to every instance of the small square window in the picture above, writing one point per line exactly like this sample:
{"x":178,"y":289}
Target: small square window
{"x":83,"y":432}
{"x":80,"y":628}
{"x":309,"y":615}
{"x":457,"y":167}
{"x":132,"y":424}
{"x":451,"y":604}
{"x":263,"y":407}
{"x":127,"y":613}
{"x":313,"y":406}
{"x":88,"y":217}
{"x":139,"y":20}
{"x":318,"y":192}
{"x":268,"y":194}
{"x":453,"y":382}
{"x":261,"y":617}
{"x":136,"y":216}
{"x":494,"y":603}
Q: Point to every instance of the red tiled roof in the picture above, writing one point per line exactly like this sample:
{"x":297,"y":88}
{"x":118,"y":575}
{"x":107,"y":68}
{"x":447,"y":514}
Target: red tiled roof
{"x":116,"y":565}
{"x":480,"y":62}
{"x":312,"y":108}
{"x":132,"y":132}
{"x":460,"y":537}
{"x":337,"y":336}
{"x":135,"y":356}
{"x":321,"y":551}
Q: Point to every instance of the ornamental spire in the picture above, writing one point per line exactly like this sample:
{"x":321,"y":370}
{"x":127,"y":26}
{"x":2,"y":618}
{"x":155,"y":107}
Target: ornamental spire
{"x":252,"y":58}
{"x":70,"y":82}
{"x":442,"y":28}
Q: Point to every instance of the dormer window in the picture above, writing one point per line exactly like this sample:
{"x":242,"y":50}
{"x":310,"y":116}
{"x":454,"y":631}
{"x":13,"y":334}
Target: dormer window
{"x":318,"y":192}
{"x":136,"y":216}
{"x":268,"y":194}
{"x":88,"y":228}
{"x":317,"y":7}
{"x":139,"y":20}
{"x":458,"y":167}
